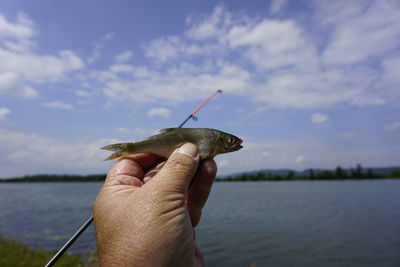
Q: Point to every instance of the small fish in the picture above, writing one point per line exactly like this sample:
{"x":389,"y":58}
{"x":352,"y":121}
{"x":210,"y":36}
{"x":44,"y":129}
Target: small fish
{"x":210,"y":143}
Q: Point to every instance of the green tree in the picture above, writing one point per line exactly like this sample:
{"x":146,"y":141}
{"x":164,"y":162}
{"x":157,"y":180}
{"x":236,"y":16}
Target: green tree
{"x":395,"y":173}
{"x":312,"y":176}
{"x":370,"y":174}
{"x":359,"y":170}
{"x":326,"y":175}
{"x":339,"y":172}
{"x":260,"y":176}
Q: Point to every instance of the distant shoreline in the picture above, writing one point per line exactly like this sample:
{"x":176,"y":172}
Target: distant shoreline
{"x":357,"y":173}
{"x":56,"y":178}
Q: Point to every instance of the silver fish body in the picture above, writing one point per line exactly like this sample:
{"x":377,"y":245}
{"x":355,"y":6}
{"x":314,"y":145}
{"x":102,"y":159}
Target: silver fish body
{"x":210,"y":143}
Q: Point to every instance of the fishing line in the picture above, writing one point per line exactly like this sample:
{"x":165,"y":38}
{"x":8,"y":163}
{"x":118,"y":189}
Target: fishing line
{"x":75,"y":236}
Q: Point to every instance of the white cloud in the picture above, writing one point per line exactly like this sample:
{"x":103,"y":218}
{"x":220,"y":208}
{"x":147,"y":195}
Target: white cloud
{"x":262,"y":33}
{"x":171,"y":48}
{"x":58,"y":105}
{"x":21,"y":29}
{"x":24,"y":153}
{"x":209,"y":26}
{"x":98,"y":46}
{"x":159,"y":112}
{"x":38,"y":68}
{"x":124,"y":57}
{"x":183,"y":83}
{"x":319,"y":118}
{"x":278,"y":62}
{"x":4,"y":112}
{"x":272,"y":44}
{"x":20,"y":67}
{"x":277,"y":5}
{"x":83,"y":93}
{"x":12,"y":84}
{"x":121,"y":68}
{"x":300,"y":158}
{"x":163,"y":49}
{"x":347,"y":135}
{"x":391,"y":70}
{"x":371,"y":31}
{"x":137,"y":131}
{"x":122,"y":130}
{"x":16,"y":36}
{"x":395,"y":126}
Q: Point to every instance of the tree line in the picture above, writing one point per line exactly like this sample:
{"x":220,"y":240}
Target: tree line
{"x":337,"y":174}
{"x":58,"y":178}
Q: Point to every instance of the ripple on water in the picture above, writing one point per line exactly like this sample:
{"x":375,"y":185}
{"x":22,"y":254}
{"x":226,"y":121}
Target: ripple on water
{"x":348,"y":223}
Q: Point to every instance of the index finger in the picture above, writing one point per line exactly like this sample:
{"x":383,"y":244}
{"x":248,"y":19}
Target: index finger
{"x":130,"y":169}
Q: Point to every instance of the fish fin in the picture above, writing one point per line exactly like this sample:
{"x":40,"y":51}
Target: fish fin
{"x":117,"y":155}
{"x":166,"y":130}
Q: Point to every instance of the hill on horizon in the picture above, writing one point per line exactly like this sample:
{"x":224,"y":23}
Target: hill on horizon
{"x":376,"y":170}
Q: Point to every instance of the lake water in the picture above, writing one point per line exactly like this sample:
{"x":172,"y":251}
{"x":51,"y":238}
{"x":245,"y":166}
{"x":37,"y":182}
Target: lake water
{"x":302,"y":223}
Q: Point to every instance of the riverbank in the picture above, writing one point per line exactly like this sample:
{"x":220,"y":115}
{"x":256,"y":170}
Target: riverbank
{"x":14,"y":254}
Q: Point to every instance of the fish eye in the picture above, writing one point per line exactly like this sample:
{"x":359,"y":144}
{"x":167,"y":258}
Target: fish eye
{"x":230,"y":140}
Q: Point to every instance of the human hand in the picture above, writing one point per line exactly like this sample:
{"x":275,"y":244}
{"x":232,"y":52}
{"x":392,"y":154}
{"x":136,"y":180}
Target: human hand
{"x":146,"y":211}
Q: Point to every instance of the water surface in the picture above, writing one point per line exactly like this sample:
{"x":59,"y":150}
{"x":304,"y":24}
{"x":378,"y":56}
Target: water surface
{"x":302,"y":223}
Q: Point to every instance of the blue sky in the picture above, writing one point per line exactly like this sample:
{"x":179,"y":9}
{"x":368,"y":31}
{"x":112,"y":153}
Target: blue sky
{"x":307,"y":84}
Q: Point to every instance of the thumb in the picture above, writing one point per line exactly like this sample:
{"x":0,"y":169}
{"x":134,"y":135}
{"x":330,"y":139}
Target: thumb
{"x":178,"y":171}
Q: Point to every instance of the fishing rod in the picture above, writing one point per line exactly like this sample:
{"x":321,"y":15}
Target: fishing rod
{"x":75,"y":236}
{"x":192,"y":115}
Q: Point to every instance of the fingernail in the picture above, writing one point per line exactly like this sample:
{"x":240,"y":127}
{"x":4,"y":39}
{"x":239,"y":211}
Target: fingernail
{"x":189,"y":150}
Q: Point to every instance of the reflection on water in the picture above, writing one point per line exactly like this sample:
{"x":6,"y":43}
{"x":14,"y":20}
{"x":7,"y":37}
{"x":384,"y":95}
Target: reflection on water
{"x":303,"y":223}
